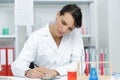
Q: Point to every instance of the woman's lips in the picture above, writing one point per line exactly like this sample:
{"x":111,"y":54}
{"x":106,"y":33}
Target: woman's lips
{"x":60,"y":33}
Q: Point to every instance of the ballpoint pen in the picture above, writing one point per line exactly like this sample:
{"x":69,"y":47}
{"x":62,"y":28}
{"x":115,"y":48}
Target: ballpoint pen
{"x":46,"y":75}
{"x":36,"y":65}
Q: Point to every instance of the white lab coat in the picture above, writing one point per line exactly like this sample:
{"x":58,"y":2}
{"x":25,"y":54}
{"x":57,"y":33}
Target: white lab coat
{"x":42,"y":49}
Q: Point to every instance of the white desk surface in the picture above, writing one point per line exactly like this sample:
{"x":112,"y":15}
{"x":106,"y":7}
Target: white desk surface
{"x":25,"y":78}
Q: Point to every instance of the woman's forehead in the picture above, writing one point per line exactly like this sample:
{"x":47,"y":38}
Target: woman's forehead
{"x":67,"y":17}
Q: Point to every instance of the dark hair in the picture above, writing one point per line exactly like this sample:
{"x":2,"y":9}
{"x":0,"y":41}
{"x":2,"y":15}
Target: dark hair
{"x":76,"y":13}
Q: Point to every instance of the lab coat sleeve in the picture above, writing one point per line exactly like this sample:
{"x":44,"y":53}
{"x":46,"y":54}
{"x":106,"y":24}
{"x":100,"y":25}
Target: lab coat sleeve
{"x":27,"y":55}
{"x":77,"y":51}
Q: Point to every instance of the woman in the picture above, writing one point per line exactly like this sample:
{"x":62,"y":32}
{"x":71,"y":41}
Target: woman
{"x":54,"y":48}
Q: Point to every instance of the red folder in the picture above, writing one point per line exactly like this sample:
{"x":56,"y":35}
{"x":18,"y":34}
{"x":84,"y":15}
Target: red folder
{"x":6,"y":59}
{"x":9,"y":61}
{"x":3,"y":71}
{"x":3,"y":58}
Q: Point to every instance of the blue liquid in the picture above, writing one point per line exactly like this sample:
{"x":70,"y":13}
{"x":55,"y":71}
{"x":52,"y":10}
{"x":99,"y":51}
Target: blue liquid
{"x":93,"y":74}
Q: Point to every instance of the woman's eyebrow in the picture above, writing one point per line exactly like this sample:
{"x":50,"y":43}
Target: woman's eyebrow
{"x":66,"y":24}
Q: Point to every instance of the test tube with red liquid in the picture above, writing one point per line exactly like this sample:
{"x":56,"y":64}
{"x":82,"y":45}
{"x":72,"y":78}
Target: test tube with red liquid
{"x":87,"y":64}
{"x":101,"y":60}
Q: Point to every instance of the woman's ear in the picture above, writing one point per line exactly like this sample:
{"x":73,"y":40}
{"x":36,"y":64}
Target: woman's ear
{"x":58,"y":14}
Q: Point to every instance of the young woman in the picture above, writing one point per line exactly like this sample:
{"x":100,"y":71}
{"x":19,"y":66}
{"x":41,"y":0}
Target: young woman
{"x":54,"y":48}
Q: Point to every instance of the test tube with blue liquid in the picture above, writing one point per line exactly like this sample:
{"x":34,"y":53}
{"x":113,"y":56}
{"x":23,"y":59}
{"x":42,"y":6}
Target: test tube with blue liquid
{"x":94,"y":57}
{"x":93,"y":65}
{"x":93,"y":73}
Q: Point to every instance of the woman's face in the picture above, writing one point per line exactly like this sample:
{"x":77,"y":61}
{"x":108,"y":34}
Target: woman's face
{"x":64,"y":24}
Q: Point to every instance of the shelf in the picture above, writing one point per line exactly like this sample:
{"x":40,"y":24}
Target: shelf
{"x":6,"y":1}
{"x":7,"y":36}
{"x":54,"y":1}
{"x":63,"y":1}
{"x":86,"y":47}
{"x":88,"y":36}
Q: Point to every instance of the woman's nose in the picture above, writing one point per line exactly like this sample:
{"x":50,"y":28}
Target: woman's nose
{"x":64,"y":29}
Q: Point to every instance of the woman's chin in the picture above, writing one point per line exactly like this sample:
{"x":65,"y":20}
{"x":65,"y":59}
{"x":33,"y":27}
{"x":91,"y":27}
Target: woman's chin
{"x":60,"y":35}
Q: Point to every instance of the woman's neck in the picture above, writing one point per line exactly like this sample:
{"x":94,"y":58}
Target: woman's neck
{"x":55,"y":37}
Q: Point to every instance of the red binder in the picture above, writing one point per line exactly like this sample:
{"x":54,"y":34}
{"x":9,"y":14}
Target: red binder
{"x":9,"y":60}
{"x":3,"y":71}
{"x":6,"y":58}
{"x":3,"y":58}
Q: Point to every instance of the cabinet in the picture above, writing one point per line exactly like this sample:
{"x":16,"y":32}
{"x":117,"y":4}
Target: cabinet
{"x":7,"y":41}
{"x":7,"y":21}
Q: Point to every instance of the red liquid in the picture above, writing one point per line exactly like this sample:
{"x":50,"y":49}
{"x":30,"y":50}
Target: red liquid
{"x":102,"y":64}
{"x":87,"y":69}
{"x":87,"y":64}
{"x":72,"y":75}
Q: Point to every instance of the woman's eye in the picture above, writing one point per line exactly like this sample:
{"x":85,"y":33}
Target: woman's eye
{"x":63,"y":22}
{"x":70,"y":29}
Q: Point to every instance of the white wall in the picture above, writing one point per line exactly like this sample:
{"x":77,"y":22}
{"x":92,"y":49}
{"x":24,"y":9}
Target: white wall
{"x":103,"y":23}
{"x":114,"y":33}
{"x":109,"y":29}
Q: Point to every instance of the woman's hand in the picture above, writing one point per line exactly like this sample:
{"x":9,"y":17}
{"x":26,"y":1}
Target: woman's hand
{"x":51,"y":73}
{"x":35,"y":73}
{"x":48,"y":72}
{"x":41,"y":72}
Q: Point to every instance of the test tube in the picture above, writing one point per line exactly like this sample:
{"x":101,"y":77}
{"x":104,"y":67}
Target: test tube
{"x":101,"y":60}
{"x":107,"y":60}
{"x":87,"y":64}
{"x":92,"y":55}
{"x":97,"y":60}
{"x":82,"y":65}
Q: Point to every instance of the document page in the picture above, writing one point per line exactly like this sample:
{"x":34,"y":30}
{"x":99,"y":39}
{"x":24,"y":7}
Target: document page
{"x":25,"y":78}
{"x":16,"y":78}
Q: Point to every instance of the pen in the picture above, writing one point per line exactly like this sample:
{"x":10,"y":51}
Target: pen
{"x":46,"y":76}
{"x":36,"y":65}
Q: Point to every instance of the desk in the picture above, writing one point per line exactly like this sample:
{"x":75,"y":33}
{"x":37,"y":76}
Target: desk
{"x":24,"y":78}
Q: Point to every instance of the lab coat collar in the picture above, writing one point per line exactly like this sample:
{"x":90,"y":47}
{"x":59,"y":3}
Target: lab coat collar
{"x":51,"y":41}
{"x":45,"y":30}
{"x":46,"y":33}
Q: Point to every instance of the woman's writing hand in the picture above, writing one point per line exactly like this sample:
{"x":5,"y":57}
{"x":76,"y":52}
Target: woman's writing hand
{"x":35,"y":73}
{"x":41,"y":72}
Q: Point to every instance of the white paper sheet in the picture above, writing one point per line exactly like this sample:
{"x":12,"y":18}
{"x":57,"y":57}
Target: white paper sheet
{"x":25,"y":78}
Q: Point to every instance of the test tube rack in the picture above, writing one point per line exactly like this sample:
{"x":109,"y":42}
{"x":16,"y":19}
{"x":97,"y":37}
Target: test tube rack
{"x":100,"y":77}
